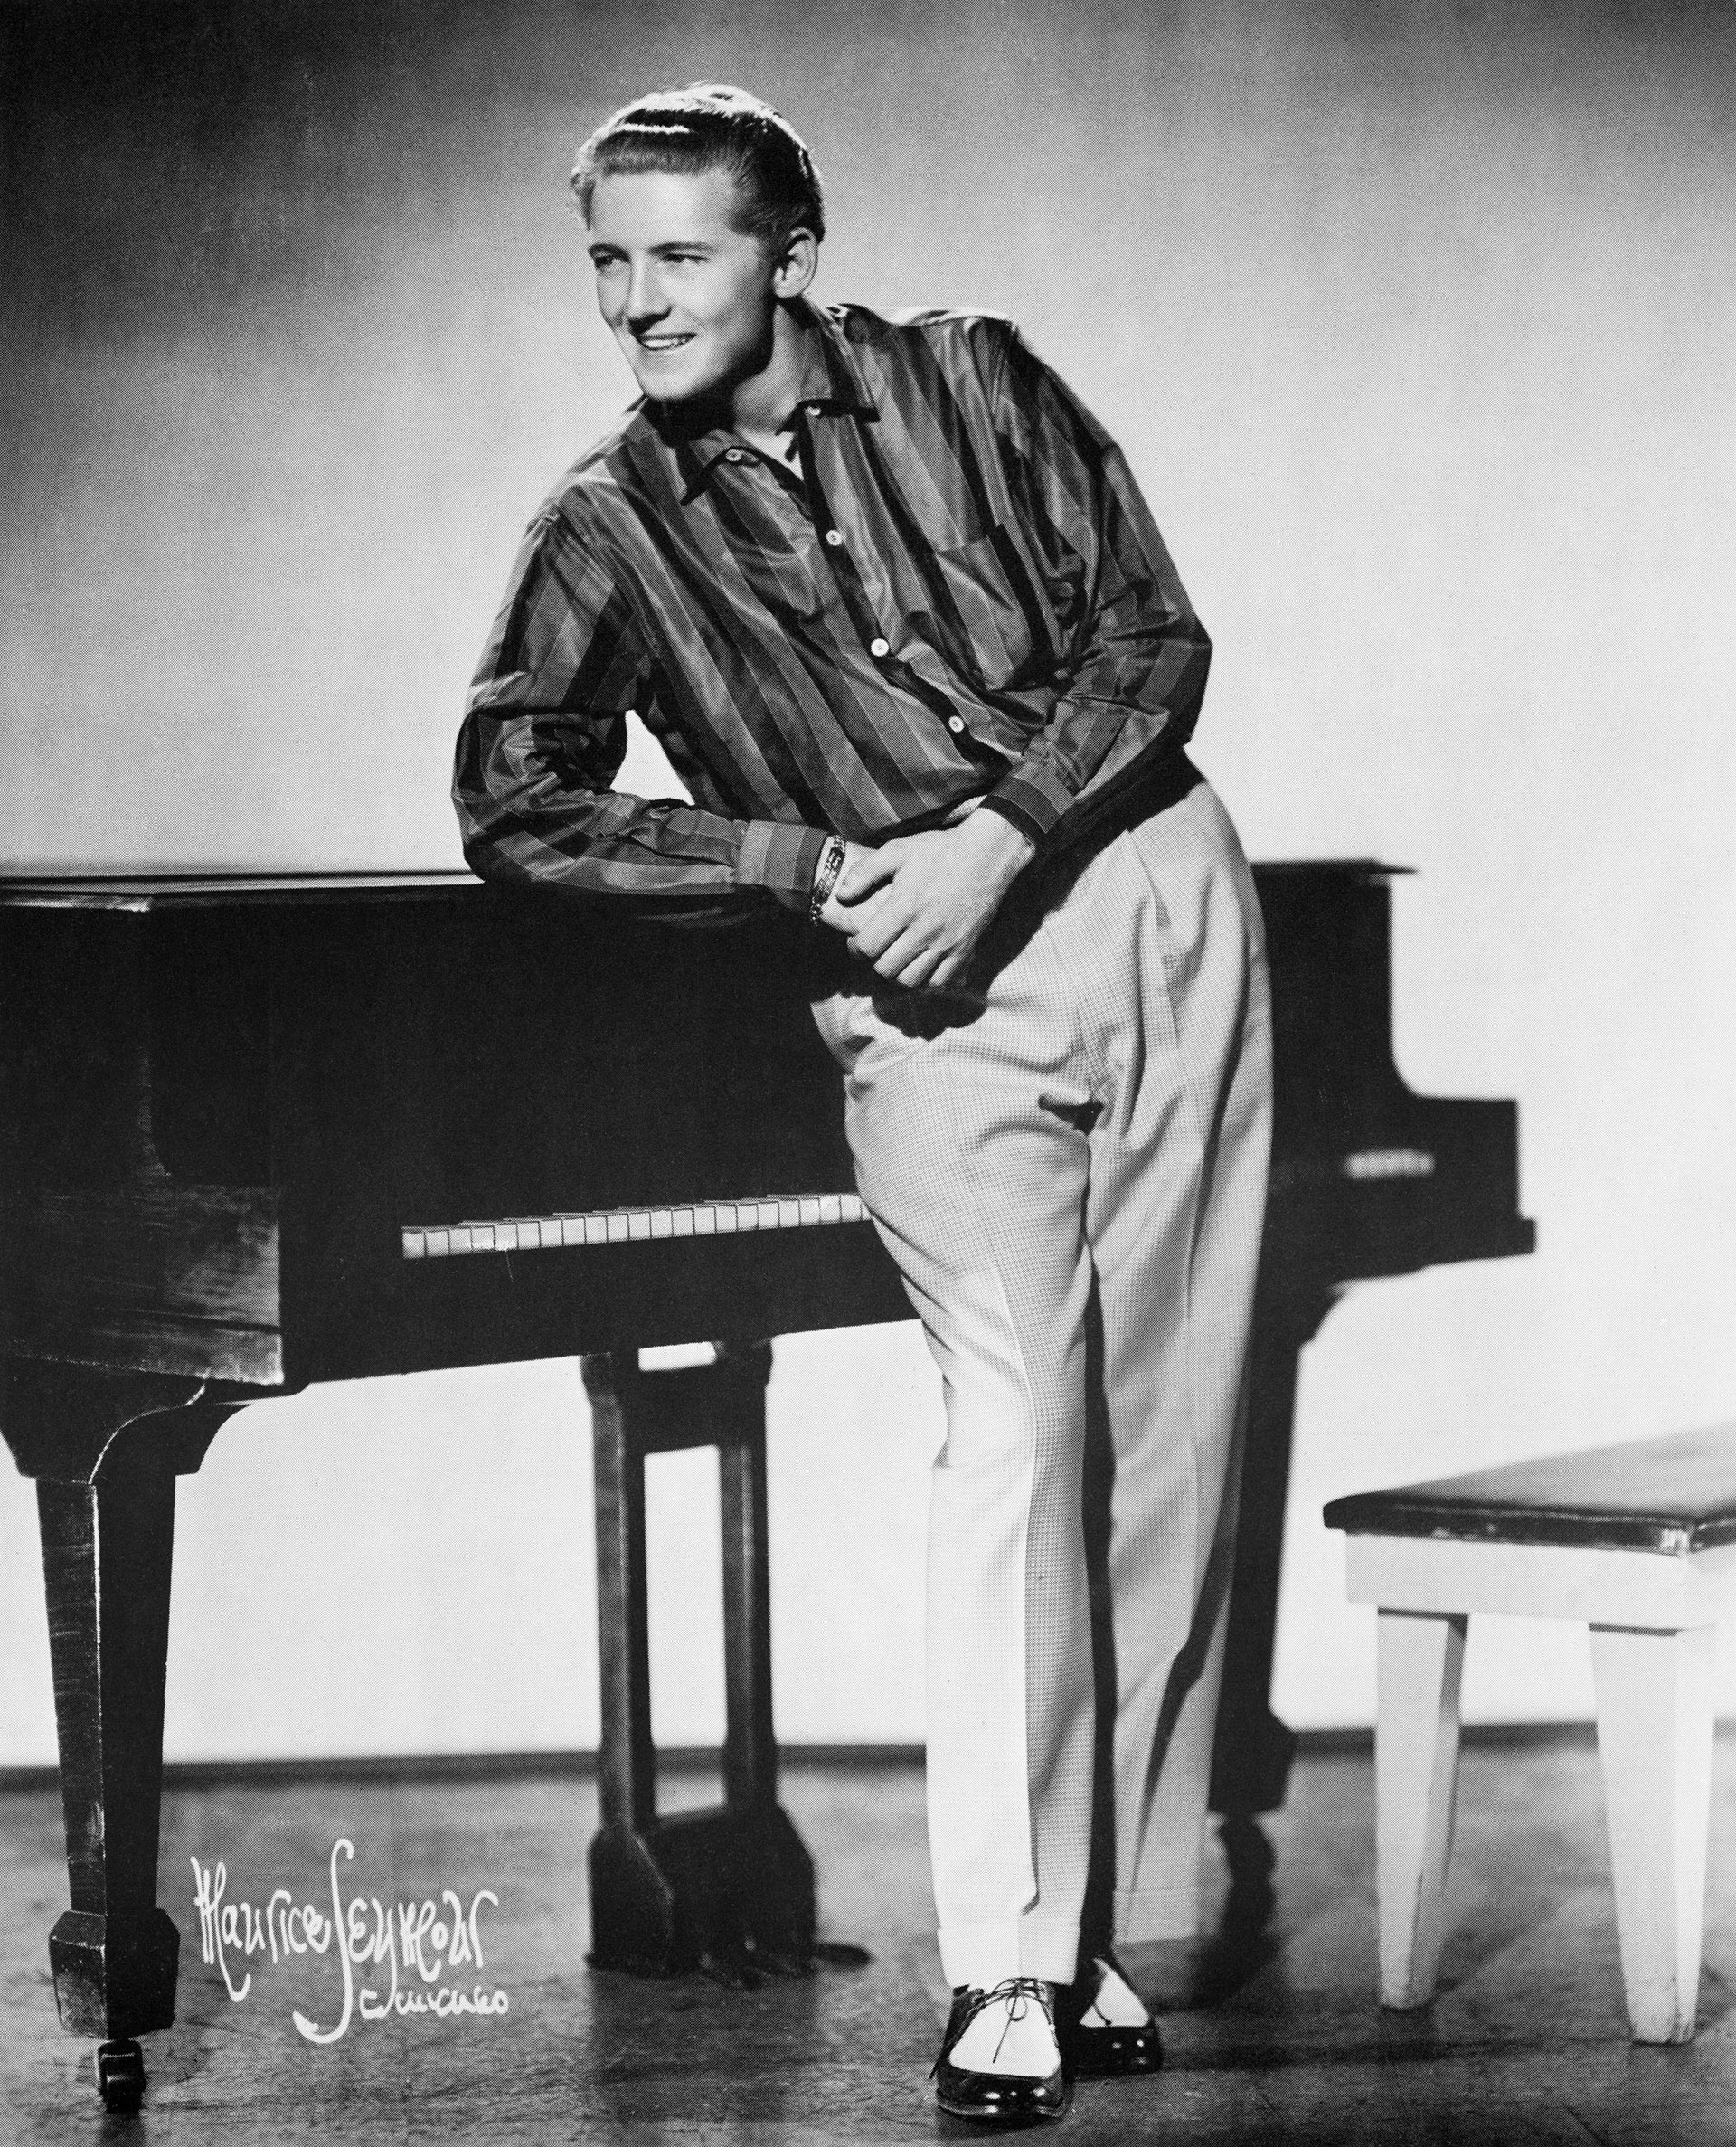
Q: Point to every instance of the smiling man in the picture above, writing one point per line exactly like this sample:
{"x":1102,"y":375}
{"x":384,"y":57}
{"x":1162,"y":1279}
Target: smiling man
{"x":892,"y":602}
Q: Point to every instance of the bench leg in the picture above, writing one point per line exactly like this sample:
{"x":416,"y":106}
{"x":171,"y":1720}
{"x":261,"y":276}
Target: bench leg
{"x":1416,"y":1775}
{"x":1655,"y":1715}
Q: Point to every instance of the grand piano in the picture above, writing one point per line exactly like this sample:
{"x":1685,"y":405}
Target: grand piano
{"x":257,"y":1133}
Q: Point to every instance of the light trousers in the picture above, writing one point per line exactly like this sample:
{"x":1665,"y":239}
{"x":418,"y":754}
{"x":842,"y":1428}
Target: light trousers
{"x":1068,"y":1164}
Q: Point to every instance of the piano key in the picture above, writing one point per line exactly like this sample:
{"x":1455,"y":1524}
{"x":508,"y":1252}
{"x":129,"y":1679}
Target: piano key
{"x":682,"y":1221}
{"x":661,"y":1222}
{"x":638,"y":1224}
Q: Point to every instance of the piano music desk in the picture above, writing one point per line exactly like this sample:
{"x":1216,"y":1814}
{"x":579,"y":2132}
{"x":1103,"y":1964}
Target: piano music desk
{"x":261,"y":1131}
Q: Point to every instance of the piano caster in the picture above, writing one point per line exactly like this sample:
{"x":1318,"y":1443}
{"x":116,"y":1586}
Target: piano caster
{"x":120,"y":2076}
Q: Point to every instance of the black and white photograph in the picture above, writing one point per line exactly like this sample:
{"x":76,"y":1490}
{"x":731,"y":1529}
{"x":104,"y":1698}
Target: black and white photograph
{"x":867,"y":997}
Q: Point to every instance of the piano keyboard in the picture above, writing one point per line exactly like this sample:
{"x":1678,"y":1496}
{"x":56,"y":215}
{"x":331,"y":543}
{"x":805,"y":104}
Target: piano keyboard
{"x":635,"y":1225}
{"x":728,"y":1218}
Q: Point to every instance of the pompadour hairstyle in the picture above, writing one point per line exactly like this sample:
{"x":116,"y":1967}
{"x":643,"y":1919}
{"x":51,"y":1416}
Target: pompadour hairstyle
{"x":712,"y":126}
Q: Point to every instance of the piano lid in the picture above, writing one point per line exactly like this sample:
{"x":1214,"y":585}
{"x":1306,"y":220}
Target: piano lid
{"x":145,"y":891}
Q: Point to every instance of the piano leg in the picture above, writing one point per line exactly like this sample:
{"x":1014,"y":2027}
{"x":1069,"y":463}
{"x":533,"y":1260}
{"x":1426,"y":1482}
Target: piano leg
{"x":731,"y":1889}
{"x":749,"y":1740}
{"x":105,"y":1450}
{"x":626,"y":1761}
{"x":1251,"y":1754}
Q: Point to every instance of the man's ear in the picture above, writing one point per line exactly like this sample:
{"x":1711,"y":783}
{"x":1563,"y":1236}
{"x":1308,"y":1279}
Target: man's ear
{"x":794,"y":269}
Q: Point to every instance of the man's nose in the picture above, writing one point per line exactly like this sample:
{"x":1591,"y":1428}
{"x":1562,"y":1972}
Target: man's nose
{"x":645,"y":299}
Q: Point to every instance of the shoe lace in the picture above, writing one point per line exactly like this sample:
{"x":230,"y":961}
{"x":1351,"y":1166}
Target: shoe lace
{"x":1018,"y":1993}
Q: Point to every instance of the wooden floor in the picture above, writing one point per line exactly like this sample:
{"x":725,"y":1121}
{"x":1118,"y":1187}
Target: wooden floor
{"x":1526,"y":2042}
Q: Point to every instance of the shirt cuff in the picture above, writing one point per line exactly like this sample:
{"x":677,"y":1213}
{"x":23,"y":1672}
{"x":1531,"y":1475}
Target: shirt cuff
{"x":782,"y":857}
{"x":1032,"y":798}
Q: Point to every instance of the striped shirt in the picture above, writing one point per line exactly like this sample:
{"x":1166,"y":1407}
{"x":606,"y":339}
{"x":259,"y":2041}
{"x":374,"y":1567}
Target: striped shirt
{"x":958,"y":594}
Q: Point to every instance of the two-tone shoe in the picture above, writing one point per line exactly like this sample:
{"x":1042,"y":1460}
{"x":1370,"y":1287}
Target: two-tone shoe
{"x":1000,"y":2058}
{"x":1107,"y":2030}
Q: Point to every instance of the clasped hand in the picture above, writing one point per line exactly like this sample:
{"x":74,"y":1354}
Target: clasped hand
{"x":916,"y":906}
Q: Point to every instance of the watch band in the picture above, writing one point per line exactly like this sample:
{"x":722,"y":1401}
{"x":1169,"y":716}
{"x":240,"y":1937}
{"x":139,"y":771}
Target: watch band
{"x":825,"y":879}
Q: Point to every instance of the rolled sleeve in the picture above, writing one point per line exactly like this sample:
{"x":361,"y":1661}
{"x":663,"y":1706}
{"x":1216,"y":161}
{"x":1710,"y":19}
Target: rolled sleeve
{"x":780,"y":857}
{"x":1033,"y":798}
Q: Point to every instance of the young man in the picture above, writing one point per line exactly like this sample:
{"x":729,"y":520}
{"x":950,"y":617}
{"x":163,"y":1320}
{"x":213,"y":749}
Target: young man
{"x":892,"y":602}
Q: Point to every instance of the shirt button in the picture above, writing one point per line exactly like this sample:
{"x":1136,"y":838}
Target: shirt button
{"x":955,"y":724}
{"x":734,"y":455}
{"x":879,"y":646}
{"x":835,"y":536}
{"x":812,"y":409}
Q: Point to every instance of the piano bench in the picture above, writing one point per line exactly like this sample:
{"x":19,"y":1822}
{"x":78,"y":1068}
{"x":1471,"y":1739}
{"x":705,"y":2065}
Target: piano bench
{"x":1637,"y":1542}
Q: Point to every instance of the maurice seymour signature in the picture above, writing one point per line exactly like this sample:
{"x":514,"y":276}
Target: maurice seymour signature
{"x":414,"y":1943}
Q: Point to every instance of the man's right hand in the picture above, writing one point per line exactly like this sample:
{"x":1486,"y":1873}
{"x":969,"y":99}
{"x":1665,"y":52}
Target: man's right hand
{"x":916,"y":906}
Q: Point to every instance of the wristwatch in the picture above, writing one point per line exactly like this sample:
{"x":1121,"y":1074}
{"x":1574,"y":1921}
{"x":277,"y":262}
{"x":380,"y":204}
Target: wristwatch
{"x":826,"y":878}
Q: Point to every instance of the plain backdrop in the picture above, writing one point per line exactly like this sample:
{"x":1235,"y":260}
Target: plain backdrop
{"x":1416,"y":322}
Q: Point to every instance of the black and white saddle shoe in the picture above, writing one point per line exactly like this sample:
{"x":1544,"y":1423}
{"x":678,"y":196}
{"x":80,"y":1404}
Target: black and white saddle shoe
{"x":1107,"y":2030}
{"x":1000,"y":2058}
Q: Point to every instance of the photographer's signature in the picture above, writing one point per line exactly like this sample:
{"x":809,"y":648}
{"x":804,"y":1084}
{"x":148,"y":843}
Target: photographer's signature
{"x":418,"y":1950}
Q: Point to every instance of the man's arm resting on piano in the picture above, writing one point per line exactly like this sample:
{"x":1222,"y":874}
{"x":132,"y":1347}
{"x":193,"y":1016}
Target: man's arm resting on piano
{"x":532,"y":811}
{"x":534,"y":806}
{"x":544,"y":738}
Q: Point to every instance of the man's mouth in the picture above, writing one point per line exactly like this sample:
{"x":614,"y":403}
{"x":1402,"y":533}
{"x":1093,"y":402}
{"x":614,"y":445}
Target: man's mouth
{"x":661,"y":343}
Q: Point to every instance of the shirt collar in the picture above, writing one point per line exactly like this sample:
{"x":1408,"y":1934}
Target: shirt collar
{"x":832,"y":387}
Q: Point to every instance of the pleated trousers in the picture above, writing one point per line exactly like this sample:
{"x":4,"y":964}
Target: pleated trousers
{"x":1067,"y":1163}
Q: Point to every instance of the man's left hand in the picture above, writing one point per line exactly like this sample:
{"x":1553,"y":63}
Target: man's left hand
{"x":916,"y":906}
